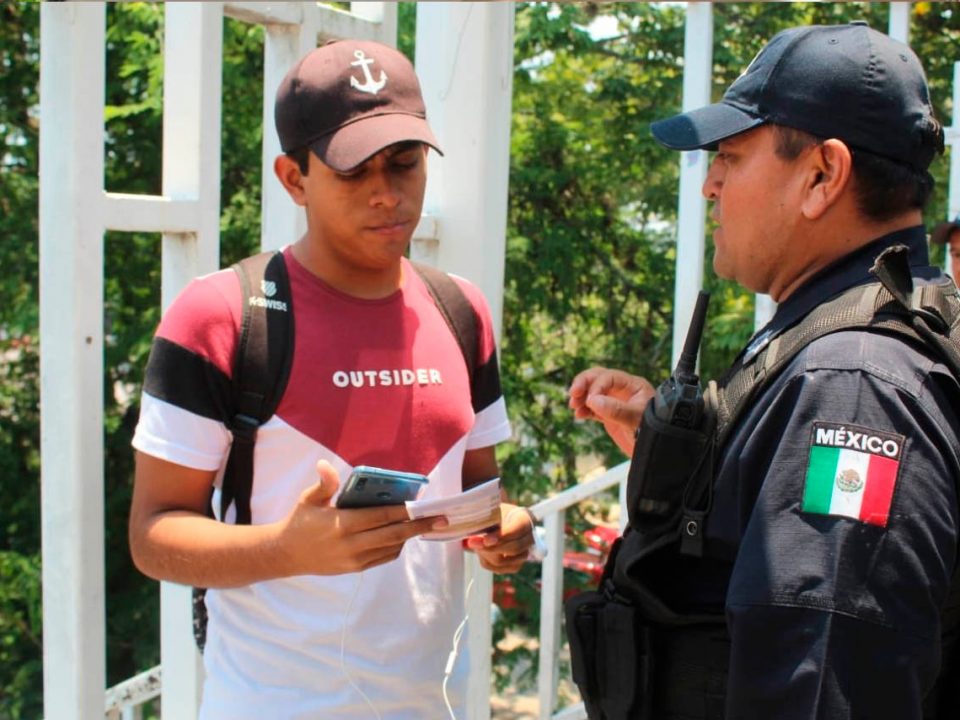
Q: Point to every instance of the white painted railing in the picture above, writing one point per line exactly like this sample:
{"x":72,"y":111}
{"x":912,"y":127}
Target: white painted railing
{"x":552,"y":512}
{"x":124,"y":700}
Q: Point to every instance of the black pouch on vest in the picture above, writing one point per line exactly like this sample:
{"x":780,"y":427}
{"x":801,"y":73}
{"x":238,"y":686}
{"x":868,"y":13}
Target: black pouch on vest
{"x":665,"y":458}
{"x":582,"y":618}
{"x":610,"y":647}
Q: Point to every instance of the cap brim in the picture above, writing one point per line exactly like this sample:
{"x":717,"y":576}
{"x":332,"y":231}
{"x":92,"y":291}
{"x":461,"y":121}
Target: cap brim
{"x":704,"y":127}
{"x":941,"y":233}
{"x":355,"y":143}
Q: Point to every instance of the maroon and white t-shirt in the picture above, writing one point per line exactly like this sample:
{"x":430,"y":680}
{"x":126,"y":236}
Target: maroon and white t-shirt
{"x":373,"y":382}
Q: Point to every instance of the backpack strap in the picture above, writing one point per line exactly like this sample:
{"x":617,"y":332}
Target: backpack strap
{"x":261,"y":369}
{"x":260,"y":373}
{"x":457,"y":312}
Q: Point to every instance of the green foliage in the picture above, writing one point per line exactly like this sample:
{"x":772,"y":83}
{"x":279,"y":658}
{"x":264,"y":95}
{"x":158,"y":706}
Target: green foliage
{"x":19,"y":132}
{"x":20,"y":613}
{"x":588,"y":258}
{"x":241,"y":141}
{"x":133,"y":164}
{"x":20,"y":620}
{"x":20,"y":635}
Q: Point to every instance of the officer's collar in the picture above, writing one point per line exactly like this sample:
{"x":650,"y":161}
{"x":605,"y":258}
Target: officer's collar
{"x":847,"y":272}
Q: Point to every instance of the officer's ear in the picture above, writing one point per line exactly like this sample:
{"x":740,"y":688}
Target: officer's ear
{"x":828,"y":171}
{"x":288,"y":172}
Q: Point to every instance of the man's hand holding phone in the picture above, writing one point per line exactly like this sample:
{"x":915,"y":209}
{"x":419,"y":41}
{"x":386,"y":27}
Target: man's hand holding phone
{"x":318,"y":538}
{"x":476,"y":510}
{"x":377,"y":499}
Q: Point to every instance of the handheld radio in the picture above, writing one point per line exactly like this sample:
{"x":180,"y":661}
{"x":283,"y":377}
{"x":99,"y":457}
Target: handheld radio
{"x":669,"y":442}
{"x":679,"y":399}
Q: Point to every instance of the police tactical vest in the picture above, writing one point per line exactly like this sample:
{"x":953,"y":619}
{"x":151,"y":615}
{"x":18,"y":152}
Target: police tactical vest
{"x":619,"y":633}
{"x":928,"y":316}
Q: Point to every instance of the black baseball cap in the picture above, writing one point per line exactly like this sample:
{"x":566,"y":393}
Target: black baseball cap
{"x":941,"y":233}
{"x":848,"y":82}
{"x":349,"y":99}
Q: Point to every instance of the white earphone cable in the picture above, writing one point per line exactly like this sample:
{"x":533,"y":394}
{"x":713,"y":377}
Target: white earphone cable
{"x":452,"y":657}
{"x":343,"y":642}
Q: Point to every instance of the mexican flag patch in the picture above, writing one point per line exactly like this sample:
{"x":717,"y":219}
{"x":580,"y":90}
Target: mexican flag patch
{"x":851,"y":472}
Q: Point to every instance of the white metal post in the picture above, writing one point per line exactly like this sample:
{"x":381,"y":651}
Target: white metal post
{"x":899,"y":21}
{"x":192,"y":93}
{"x":383,"y":19}
{"x":282,"y":221}
{"x":551,"y":596}
{"x":71,"y":364}
{"x":691,"y":215}
{"x":193,"y":41}
{"x":465,"y":65}
{"x":763,"y":309}
{"x":953,"y":142}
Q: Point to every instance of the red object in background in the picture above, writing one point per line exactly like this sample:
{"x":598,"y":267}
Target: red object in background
{"x":588,"y":563}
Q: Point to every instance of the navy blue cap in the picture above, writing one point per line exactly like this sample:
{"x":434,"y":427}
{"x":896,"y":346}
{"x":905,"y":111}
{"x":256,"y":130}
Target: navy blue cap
{"x":848,"y":82}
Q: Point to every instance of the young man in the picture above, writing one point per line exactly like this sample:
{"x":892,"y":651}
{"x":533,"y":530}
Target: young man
{"x":831,"y":517}
{"x":948,"y":234}
{"x":314,"y":611}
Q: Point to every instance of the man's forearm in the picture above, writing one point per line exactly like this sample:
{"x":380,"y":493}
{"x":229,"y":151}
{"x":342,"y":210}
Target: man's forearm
{"x":191,"y":549}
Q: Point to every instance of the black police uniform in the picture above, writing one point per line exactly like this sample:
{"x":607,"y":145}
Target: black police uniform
{"x":829,"y":615}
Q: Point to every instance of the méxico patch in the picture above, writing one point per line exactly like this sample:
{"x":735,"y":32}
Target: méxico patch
{"x":851,"y":472}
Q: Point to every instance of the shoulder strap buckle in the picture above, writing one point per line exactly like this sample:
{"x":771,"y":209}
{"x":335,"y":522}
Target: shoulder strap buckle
{"x":244,"y":428}
{"x":892,"y":269}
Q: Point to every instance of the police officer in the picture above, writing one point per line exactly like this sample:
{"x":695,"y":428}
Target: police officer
{"x":830,"y":542}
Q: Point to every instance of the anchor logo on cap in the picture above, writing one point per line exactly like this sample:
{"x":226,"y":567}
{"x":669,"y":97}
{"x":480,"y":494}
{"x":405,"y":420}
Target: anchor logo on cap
{"x":369,"y":85}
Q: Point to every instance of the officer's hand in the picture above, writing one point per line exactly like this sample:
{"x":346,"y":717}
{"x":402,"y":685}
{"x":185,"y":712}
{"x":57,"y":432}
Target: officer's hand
{"x":504,"y":550}
{"x":319,"y":539}
{"x":614,"y":398}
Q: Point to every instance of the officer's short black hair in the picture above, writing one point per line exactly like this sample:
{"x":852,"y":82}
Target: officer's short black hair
{"x":884,"y":188}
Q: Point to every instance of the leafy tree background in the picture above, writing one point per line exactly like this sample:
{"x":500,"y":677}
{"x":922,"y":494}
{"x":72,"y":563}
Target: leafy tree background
{"x":589,"y":268}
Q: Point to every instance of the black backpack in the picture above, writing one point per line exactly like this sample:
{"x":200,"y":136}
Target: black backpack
{"x":262,"y":368}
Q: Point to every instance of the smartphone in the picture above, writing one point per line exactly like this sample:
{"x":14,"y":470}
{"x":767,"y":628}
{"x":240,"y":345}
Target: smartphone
{"x":371,"y":486}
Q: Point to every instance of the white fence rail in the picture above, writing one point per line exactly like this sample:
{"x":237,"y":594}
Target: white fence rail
{"x":552,"y":512}
{"x":123,"y":701}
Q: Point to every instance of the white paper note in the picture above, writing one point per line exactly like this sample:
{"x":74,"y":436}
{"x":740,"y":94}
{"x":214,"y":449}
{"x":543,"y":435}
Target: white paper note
{"x":470,"y":512}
